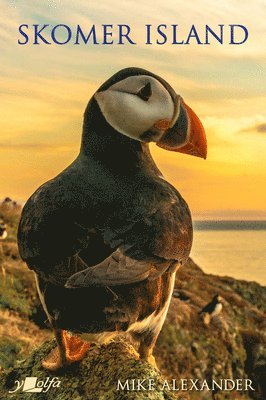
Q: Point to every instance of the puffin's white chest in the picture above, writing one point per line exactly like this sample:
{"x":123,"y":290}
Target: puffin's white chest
{"x":218,"y":308}
{"x":4,"y":235}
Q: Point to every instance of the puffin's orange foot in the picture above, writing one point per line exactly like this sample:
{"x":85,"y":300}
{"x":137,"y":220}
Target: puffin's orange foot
{"x":76,"y":348}
{"x":151,"y":360}
{"x":53,"y":362}
{"x":73,"y":349}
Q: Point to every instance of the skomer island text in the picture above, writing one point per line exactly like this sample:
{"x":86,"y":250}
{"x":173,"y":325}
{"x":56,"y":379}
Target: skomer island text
{"x":123,"y":34}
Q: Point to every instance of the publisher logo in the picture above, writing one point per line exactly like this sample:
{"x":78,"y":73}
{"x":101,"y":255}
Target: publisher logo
{"x":32,"y":384}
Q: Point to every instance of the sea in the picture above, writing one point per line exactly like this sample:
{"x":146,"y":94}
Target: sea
{"x":231,"y":248}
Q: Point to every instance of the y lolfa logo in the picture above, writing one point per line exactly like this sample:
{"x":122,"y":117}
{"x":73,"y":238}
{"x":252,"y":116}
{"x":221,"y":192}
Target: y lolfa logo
{"x":32,"y":384}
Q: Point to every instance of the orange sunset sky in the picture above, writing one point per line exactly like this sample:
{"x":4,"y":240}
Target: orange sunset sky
{"x":44,"y":90}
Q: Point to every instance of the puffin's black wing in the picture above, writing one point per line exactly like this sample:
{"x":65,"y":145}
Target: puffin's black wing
{"x":150,"y":237}
{"x":208,"y":308}
{"x":50,"y":236}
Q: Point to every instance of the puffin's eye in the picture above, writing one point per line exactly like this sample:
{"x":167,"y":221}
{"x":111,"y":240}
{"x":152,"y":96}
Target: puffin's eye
{"x":145,"y":92}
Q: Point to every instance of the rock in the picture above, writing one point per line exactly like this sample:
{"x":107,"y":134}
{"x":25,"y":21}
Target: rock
{"x":231,"y":345}
{"x":255,"y":365}
{"x":96,"y":377}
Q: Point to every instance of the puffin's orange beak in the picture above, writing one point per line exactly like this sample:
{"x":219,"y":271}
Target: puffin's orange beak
{"x":187,"y":129}
{"x":197,"y":144}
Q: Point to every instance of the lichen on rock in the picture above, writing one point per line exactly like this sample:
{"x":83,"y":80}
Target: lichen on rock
{"x":95,"y":378}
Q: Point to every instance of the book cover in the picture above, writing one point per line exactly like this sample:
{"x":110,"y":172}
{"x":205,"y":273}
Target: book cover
{"x":132,"y":200}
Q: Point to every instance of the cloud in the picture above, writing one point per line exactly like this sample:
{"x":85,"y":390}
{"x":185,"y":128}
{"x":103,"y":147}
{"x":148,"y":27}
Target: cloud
{"x":19,"y":146}
{"x":261,"y":128}
{"x":50,"y":148}
{"x":258,"y":128}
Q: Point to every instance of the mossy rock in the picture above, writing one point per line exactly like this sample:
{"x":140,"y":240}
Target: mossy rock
{"x":17,"y":285}
{"x":96,"y":377}
{"x":9,"y":351}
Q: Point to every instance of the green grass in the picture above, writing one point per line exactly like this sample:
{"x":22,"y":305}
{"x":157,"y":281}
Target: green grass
{"x":9,"y":351}
{"x":13,"y":296}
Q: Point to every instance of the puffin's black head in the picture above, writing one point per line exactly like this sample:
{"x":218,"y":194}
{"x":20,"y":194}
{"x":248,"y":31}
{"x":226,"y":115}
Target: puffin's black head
{"x":217,"y":298}
{"x":144,"y":107}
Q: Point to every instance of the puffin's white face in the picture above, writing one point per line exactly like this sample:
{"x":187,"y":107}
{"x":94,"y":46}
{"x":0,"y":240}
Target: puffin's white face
{"x":139,"y":107}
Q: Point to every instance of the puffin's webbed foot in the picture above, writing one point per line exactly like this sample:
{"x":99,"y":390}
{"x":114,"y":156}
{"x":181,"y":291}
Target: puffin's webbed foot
{"x":147,"y":342}
{"x":151,"y":360}
{"x":69,"y":349}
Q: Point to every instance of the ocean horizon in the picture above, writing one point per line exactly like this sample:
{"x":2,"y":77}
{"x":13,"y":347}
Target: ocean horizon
{"x":220,"y":225}
{"x":231,"y":248}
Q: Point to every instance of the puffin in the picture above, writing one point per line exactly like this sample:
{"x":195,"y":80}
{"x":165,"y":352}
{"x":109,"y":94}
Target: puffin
{"x":181,"y":295}
{"x":106,"y":236}
{"x":214,"y":307}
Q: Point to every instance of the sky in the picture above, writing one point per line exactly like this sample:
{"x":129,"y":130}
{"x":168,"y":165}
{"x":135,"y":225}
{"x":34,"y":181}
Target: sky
{"x":44,"y":90}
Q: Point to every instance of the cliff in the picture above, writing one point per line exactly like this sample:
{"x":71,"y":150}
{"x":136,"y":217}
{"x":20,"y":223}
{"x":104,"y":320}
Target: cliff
{"x":96,"y":377}
{"x":231,"y":345}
